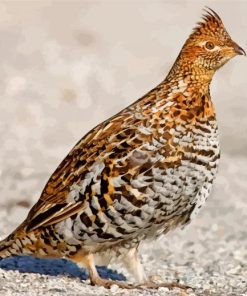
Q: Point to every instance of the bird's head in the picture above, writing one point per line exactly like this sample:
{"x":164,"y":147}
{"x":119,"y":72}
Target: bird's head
{"x":210,"y":46}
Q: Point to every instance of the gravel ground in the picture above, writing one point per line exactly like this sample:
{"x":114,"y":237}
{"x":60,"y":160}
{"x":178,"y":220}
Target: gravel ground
{"x":63,"y":65}
{"x":209,"y":255}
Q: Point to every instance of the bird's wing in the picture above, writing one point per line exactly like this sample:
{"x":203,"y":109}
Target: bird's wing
{"x":109,"y":140}
{"x":110,"y":156}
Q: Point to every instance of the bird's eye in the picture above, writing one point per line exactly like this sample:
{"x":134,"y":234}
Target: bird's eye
{"x":209,"y":45}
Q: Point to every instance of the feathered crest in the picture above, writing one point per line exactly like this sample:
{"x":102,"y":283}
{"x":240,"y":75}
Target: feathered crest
{"x":211,"y":25}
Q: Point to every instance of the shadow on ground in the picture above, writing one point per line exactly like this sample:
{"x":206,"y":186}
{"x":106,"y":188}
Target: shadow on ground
{"x":54,"y":267}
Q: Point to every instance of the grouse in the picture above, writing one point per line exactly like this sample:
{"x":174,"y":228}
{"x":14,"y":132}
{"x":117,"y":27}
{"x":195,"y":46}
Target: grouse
{"x":139,"y":174}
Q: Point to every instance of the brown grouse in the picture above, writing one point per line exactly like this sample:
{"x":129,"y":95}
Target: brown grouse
{"x":137,"y":175}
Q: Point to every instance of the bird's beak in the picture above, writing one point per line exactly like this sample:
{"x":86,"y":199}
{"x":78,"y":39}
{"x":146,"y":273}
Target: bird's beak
{"x":238,"y":50}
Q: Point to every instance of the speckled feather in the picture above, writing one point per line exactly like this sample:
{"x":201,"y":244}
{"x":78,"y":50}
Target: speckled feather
{"x":139,"y":174}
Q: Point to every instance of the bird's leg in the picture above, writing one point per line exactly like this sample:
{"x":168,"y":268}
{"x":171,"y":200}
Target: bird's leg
{"x":134,"y":266}
{"x":87,"y":261}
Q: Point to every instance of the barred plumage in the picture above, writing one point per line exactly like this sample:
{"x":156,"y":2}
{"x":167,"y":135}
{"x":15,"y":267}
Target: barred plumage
{"x":137,"y":175}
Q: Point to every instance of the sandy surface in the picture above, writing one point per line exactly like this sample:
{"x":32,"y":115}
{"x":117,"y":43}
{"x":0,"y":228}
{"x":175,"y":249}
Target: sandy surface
{"x":67,"y":66}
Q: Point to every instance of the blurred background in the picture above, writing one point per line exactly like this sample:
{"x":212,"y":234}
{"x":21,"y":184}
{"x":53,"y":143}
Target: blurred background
{"x":67,"y":65}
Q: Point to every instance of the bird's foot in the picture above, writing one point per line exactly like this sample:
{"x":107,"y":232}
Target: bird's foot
{"x":170,"y":286}
{"x":108,"y":283}
{"x":149,"y":285}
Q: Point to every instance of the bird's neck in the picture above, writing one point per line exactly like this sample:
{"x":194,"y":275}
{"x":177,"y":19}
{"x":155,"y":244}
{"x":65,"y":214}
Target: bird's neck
{"x":194,"y":76}
{"x":186,"y":88}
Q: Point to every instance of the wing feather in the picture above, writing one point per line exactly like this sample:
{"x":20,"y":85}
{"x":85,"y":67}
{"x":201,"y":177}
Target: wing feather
{"x":53,"y":205}
{"x":110,"y":141}
{"x":53,"y":213}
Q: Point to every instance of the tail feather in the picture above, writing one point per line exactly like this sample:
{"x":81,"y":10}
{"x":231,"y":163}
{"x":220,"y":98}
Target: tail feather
{"x":6,"y":247}
{"x":11,"y":245}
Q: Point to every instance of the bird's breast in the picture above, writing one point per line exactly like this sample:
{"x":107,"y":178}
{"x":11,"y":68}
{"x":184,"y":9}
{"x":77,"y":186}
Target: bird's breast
{"x":182,"y":185}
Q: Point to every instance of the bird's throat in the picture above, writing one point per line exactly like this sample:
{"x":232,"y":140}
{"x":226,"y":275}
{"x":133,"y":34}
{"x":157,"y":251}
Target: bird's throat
{"x":193,"y":74}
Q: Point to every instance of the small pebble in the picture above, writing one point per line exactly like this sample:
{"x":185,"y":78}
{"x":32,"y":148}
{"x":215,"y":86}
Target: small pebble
{"x":114,"y":288}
